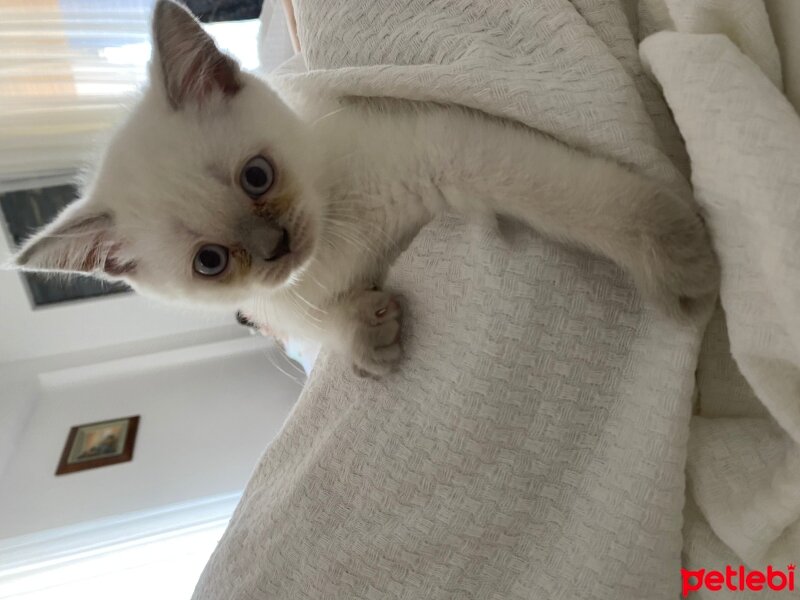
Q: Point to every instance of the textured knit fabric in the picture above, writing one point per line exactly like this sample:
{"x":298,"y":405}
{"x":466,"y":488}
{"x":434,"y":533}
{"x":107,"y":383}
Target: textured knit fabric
{"x":534,"y":442}
{"x":744,"y":140}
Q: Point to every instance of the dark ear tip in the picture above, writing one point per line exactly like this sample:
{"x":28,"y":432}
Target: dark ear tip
{"x":166,"y":8}
{"x":18,"y":260}
{"x":161,"y":6}
{"x":170,"y":5}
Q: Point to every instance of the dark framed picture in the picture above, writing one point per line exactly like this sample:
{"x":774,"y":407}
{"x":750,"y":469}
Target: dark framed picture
{"x":98,"y":444}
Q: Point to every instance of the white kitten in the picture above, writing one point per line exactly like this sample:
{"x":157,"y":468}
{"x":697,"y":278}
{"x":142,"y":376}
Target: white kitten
{"x":215,"y":191}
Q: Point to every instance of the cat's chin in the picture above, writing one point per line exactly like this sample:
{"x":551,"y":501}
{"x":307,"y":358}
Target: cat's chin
{"x":278,"y":275}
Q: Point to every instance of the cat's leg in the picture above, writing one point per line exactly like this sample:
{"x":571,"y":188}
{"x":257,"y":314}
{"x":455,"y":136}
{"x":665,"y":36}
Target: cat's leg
{"x":660,"y":239}
{"x":365,"y":326}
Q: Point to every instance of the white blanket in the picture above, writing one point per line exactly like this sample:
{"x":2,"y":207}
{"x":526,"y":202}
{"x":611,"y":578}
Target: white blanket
{"x":534,"y":443}
{"x":743,"y":137}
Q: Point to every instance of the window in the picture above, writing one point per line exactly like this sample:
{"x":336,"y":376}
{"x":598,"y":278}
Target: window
{"x":26,"y":211}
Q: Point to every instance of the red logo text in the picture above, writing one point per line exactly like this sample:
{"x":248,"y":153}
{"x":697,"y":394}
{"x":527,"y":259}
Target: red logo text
{"x":738,"y":580}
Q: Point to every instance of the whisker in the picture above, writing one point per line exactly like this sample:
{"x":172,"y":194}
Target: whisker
{"x":293,"y":364}
{"x":270,"y":356}
{"x":305,"y":301}
{"x":353,"y":242}
{"x":330,"y":114}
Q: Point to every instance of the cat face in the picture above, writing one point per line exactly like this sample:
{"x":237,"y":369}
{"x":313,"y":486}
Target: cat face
{"x":202,"y":193}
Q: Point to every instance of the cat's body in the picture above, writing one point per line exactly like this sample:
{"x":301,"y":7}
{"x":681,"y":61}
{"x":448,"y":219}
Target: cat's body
{"x":308,"y":206}
{"x":387,"y":169}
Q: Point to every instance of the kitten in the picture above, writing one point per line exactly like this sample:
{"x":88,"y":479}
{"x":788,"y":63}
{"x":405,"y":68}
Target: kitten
{"x":217,"y":191}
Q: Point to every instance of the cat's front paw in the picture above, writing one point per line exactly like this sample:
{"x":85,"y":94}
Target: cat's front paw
{"x":375,"y":346}
{"x":679,"y":266}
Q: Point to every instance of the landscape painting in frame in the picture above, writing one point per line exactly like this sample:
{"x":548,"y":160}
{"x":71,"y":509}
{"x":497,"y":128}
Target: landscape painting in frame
{"x":98,"y":444}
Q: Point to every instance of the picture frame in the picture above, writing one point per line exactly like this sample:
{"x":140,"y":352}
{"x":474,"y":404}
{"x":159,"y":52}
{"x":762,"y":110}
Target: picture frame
{"x":98,"y":444}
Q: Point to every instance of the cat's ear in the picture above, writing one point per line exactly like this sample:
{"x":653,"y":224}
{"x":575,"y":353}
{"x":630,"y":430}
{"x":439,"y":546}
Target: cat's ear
{"x":186,"y":58}
{"x":78,"y":241}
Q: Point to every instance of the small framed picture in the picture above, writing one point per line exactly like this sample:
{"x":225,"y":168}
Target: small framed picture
{"x":98,"y":445}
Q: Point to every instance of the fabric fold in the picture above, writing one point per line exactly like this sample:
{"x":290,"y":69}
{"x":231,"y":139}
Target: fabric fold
{"x":743,"y":138}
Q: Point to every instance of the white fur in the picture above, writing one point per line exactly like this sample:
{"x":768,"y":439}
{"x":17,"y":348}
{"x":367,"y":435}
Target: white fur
{"x":366,"y":176}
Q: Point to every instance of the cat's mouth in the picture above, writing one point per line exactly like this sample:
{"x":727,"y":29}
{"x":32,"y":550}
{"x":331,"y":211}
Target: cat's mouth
{"x":282,"y":249}
{"x":289,"y":253}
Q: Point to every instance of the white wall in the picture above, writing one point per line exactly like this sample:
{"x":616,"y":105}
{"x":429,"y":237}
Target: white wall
{"x":207,"y":414}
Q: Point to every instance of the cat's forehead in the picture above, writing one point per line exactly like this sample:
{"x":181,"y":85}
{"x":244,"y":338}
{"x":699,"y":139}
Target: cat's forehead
{"x":162,"y":153}
{"x":184,"y":135}
{"x":186,"y":163}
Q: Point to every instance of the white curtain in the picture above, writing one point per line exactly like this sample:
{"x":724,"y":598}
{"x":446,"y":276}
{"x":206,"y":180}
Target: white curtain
{"x":69,"y":67}
{"x":274,"y":39}
{"x":64,"y":75}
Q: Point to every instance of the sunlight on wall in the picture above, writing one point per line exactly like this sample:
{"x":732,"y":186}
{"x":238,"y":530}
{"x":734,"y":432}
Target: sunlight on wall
{"x":163,"y":567}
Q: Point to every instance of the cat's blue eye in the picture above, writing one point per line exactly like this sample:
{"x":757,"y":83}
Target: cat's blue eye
{"x":257,"y":176}
{"x":210,"y":260}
